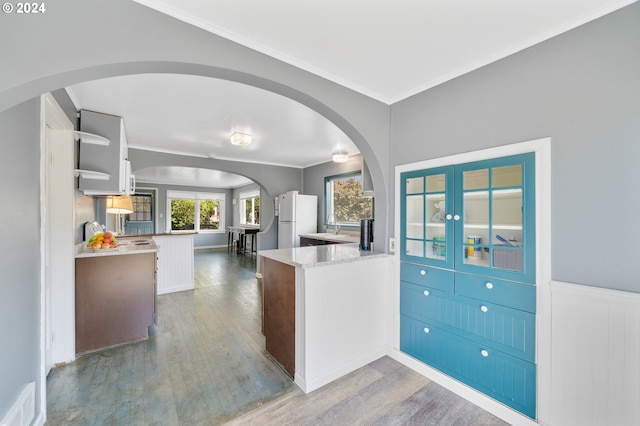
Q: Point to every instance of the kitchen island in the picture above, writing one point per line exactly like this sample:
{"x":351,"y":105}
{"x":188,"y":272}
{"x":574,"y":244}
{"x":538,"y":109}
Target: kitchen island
{"x":115,"y":294}
{"x":325,"y":310}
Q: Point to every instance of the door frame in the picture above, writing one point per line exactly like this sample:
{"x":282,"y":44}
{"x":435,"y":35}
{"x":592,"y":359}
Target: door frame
{"x":57,"y":275}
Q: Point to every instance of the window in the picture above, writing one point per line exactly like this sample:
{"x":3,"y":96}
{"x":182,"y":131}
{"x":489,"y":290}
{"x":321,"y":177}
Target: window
{"x":141,"y":208}
{"x":344,"y":203}
{"x":195,"y":211}
{"x":250,"y":207}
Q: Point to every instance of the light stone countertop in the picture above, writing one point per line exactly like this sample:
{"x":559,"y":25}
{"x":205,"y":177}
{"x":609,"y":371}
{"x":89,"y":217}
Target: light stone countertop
{"x":124,"y":247}
{"x":311,"y":256}
{"x":333,"y":237}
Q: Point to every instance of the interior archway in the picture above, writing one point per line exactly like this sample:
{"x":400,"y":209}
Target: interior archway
{"x":54,"y":82}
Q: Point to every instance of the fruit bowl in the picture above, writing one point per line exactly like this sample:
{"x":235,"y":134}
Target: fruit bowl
{"x":102,"y":241}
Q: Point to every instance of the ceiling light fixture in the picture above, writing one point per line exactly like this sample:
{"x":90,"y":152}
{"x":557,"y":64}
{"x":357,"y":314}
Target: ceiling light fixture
{"x":240,"y":139}
{"x":340,"y":157}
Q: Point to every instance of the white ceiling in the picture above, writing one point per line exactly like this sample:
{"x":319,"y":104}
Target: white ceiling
{"x":193,"y":115}
{"x":388,"y":50}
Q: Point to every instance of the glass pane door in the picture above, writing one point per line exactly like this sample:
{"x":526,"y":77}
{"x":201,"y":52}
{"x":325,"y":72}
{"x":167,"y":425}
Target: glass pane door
{"x":476,"y":225}
{"x":425,"y":227}
{"x":492,"y":223}
{"x":414,"y":216}
{"x":436,"y":207}
{"x":507,"y":222}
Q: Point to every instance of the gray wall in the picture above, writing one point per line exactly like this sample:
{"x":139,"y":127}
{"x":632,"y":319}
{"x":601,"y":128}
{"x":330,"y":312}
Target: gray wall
{"x":582,"y":89}
{"x":20,"y":252}
{"x":314,"y":183}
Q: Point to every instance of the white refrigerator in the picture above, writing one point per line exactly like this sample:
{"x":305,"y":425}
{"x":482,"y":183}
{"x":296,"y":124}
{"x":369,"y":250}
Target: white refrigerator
{"x":298,"y":214}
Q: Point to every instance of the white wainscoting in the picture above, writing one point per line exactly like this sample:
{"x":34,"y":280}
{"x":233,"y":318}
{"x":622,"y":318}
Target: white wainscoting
{"x":595,"y":356}
{"x":175,"y":263}
{"x":342,"y":319}
{"x":22,"y":411}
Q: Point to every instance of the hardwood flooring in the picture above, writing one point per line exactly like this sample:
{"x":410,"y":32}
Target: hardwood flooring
{"x":384,"y":392}
{"x":204,"y":364}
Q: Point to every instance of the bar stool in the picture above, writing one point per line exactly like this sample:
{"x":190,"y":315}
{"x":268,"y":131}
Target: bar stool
{"x":229,"y":238}
{"x":253,"y":238}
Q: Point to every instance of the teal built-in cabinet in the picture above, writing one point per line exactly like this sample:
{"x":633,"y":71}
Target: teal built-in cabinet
{"x":467,"y":275}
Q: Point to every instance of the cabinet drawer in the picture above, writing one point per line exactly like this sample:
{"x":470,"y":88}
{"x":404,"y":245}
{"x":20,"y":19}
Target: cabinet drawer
{"x":506,"y":293}
{"x":424,"y":303}
{"x":440,"y":279}
{"x":509,"y":330}
{"x":505,"y":378}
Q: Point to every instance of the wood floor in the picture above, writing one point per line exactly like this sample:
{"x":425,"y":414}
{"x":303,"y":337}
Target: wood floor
{"x":204,"y":364}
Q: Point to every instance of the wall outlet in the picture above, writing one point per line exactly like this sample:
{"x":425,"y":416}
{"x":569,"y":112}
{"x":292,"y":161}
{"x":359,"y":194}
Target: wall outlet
{"x":392,"y":245}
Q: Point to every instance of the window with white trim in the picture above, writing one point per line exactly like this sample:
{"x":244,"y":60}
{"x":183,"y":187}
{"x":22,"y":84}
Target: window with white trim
{"x":250,"y":207}
{"x":344,"y":203}
{"x":195,"y":211}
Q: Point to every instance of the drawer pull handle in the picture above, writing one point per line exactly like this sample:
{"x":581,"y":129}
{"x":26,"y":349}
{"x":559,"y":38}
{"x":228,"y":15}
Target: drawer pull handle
{"x":488,"y":285}
{"x":426,"y":292}
{"x":426,"y":330}
{"x":484,"y":308}
{"x":423,"y":272}
{"x":484,"y":353}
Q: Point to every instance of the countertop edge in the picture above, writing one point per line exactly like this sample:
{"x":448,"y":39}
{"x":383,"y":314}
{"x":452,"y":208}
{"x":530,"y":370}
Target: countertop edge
{"x":354,"y":255}
{"x":342,"y":239}
{"x":175,"y":234}
{"x":82,"y":252}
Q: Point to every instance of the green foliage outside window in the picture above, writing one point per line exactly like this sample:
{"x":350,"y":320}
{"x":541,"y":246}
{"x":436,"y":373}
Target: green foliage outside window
{"x":209,"y":214}
{"x":345,"y":196}
{"x":183,"y":215}
{"x":252,"y":210}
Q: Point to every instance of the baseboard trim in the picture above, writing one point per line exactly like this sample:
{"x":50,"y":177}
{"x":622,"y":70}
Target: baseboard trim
{"x":328,"y":377}
{"x":210,"y":247}
{"x":175,"y":289}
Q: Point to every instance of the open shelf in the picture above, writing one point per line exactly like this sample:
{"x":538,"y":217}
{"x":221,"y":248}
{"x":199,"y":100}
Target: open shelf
{"x":495,"y":226}
{"x":90,"y":174}
{"x":90,"y":138}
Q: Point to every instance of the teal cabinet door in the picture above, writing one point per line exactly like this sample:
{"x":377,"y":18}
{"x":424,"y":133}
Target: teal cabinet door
{"x":475,"y":217}
{"x":427,"y":226}
{"x":495,"y":203}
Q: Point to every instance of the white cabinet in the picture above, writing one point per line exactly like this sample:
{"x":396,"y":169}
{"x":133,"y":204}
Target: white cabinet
{"x":108,"y":160}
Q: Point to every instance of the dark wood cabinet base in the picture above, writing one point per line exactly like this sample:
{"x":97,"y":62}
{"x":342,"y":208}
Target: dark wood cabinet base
{"x":279,"y":312}
{"x":115,"y":300}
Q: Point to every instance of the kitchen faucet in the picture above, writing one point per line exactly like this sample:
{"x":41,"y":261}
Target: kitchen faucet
{"x":336,"y":227}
